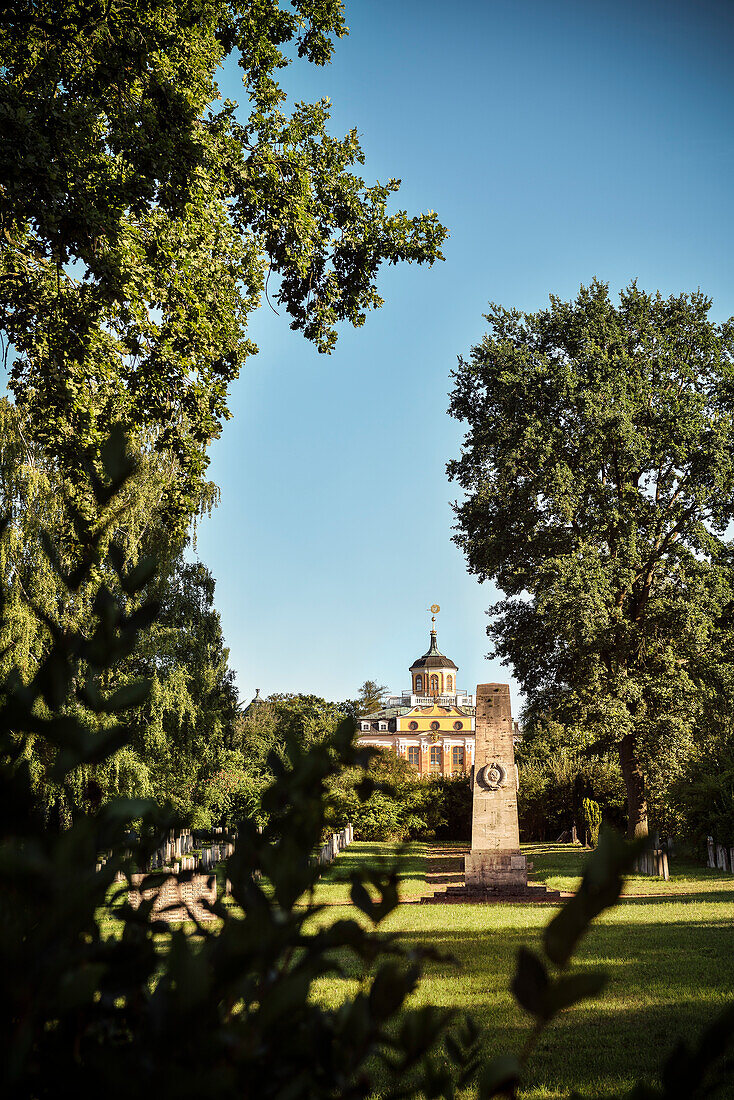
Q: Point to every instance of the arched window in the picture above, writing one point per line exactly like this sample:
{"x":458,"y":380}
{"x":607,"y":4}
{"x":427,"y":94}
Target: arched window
{"x":449,"y":683}
{"x":434,"y":684}
{"x":419,"y":683}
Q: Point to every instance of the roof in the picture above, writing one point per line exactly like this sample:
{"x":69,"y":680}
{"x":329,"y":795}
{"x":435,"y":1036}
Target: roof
{"x":388,"y":712}
{"x":437,"y":710}
{"x":255,"y":702}
{"x":434,"y":658}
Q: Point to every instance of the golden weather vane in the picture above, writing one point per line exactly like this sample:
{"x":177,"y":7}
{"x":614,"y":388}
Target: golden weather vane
{"x":434,"y":609}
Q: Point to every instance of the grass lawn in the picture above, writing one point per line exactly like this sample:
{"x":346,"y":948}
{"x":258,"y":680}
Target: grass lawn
{"x":669,"y":957}
{"x":334,"y":885}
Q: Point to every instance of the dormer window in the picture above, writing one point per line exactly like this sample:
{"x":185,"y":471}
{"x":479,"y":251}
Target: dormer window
{"x":365,"y":725}
{"x":383,"y":725}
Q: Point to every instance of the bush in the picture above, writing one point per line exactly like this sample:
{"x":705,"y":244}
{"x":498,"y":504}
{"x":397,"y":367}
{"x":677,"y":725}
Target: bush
{"x":591,"y":817}
{"x":553,"y":787}
{"x":226,"y":1013}
{"x":230,"y":1012}
{"x":400,"y":805}
{"x":446,"y":808}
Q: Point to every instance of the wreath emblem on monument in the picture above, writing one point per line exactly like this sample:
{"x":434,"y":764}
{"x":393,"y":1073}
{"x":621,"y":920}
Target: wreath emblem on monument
{"x":492,"y":776}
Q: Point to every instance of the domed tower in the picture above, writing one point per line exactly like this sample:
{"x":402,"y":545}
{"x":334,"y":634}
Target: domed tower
{"x":254,"y":704}
{"x":433,"y":674}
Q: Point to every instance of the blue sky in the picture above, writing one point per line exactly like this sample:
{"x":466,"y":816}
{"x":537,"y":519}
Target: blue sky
{"x":558,"y":141}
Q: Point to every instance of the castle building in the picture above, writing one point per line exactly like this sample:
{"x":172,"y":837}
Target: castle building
{"x":431,"y":725}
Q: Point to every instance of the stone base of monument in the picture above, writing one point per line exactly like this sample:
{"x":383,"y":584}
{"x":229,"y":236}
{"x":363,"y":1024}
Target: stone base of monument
{"x":498,"y":875}
{"x":478,"y":894}
{"x":492,"y":870}
{"x":495,"y":876}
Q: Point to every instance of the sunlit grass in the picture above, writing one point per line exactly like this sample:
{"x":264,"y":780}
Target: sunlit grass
{"x":559,"y":867}
{"x":335,"y":883}
{"x":669,"y":958}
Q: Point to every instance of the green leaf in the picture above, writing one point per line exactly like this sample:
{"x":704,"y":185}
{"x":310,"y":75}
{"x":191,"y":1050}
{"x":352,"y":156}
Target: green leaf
{"x":138,"y":577}
{"x":391,"y":985}
{"x":530,"y":983}
{"x":686,"y":1070}
{"x":499,"y":1077}
{"x":117,"y":461}
{"x":127,"y":696}
{"x":600,"y":888}
{"x":570,"y":989}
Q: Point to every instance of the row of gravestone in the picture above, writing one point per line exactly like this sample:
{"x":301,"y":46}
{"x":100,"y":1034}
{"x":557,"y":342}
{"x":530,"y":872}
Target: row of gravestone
{"x":652,"y":862}
{"x":336,"y":843}
{"x":189,"y":896}
{"x":180,"y":851}
{"x":718,"y":857}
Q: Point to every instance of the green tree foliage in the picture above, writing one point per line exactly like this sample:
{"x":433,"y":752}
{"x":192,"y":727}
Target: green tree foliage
{"x":185,"y":734}
{"x":181,"y":752}
{"x":556,"y":774}
{"x":383,"y":801}
{"x":261,"y":738}
{"x":599,"y":479}
{"x":591,"y":817}
{"x":369,"y":698}
{"x":141,"y":217}
{"x":551,"y":792}
{"x":389,"y":801}
{"x":703,"y":798}
{"x":283,"y":717}
{"x":86,"y":1013}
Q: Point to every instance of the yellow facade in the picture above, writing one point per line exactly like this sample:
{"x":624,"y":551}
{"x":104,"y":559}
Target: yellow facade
{"x":432,"y":725}
{"x":434,"y":682}
{"x":432,"y":718}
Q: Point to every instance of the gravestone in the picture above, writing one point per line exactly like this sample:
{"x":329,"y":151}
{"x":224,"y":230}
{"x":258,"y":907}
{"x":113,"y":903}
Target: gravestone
{"x":495,"y":862}
{"x":710,"y":851}
{"x":175,"y":898}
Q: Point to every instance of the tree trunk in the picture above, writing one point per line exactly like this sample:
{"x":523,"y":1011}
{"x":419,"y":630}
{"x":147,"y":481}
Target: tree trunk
{"x":635,"y":786}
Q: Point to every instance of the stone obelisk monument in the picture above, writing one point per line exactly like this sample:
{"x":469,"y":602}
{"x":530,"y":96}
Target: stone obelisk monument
{"x":495,"y":863}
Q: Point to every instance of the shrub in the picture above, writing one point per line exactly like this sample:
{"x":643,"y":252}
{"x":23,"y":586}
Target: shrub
{"x":230,"y":1012}
{"x":226,"y":1013}
{"x":591,"y":817}
{"x":553,"y":786}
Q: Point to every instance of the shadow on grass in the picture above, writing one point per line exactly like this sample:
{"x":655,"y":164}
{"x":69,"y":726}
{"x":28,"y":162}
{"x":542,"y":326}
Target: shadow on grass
{"x":333,"y":887}
{"x":665,"y":983}
{"x":410,"y":861}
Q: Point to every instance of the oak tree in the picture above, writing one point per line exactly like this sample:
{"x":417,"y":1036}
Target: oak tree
{"x":141,"y":217}
{"x":598,"y":468}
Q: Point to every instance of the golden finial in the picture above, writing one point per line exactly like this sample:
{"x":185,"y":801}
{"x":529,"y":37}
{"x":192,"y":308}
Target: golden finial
{"x":434,"y":609}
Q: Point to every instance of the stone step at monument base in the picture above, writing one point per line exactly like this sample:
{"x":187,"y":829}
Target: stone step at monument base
{"x":504,"y":892}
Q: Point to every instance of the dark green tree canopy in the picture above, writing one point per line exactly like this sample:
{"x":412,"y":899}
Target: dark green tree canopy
{"x":598,"y":468}
{"x":141,"y":217}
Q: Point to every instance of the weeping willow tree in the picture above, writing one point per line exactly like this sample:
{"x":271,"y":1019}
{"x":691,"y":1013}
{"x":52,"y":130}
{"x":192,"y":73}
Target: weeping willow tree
{"x":181,"y":734}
